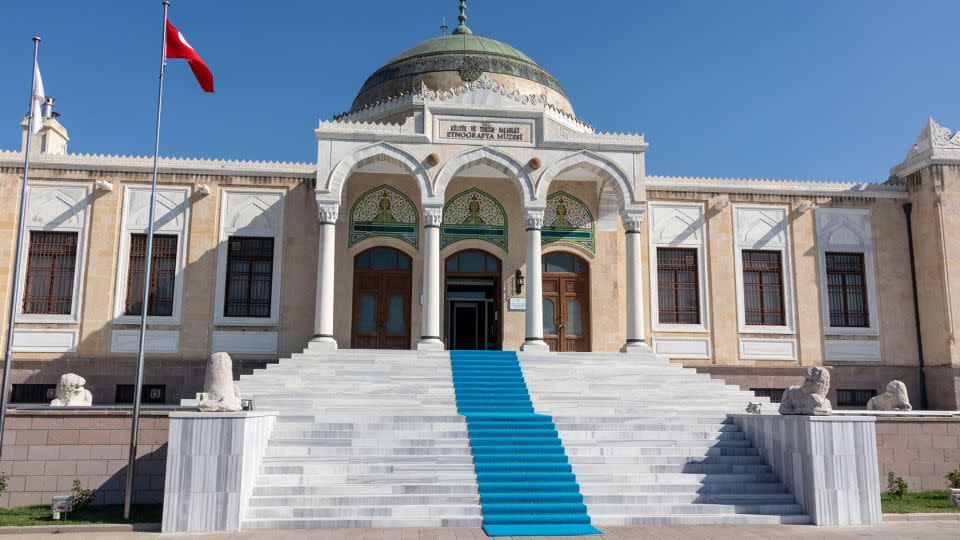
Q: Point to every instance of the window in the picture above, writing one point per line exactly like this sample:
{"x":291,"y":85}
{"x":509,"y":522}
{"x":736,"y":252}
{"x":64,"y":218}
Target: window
{"x":775,"y":394}
{"x":149,"y":393}
{"x":33,"y":393}
{"x":563,"y":262}
{"x":382,"y":258}
{"x":846,"y":290}
{"x":854,"y":398}
{"x":763,"y":288}
{"x":163,"y":274}
{"x":51,"y":264}
{"x":473,"y":262}
{"x":677,"y":287}
{"x":249,"y":277}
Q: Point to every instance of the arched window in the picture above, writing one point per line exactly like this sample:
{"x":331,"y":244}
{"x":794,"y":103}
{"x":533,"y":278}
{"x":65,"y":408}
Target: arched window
{"x":382,"y":258}
{"x":473,"y":261}
{"x":561,"y":261}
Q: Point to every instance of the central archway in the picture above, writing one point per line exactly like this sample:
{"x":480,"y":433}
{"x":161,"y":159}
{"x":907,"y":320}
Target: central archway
{"x":472,"y":297}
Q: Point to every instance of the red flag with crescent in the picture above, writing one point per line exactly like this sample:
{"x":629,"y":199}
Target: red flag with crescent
{"x":178,"y":47}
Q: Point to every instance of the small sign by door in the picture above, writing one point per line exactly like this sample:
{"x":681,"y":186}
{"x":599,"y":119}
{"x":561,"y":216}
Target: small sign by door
{"x":518,"y":303}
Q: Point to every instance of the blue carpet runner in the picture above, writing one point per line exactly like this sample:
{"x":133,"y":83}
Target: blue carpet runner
{"x":527,"y":487}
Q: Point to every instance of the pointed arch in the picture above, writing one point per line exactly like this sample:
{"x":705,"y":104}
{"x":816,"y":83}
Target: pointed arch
{"x":378,"y":152}
{"x":597,"y":164}
{"x":493,"y":158}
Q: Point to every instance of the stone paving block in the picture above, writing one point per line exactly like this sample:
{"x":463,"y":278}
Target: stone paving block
{"x":43,"y":453}
{"x":63,"y":436}
{"x":60,"y":467}
{"x":75,"y":451}
{"x":32,"y":437}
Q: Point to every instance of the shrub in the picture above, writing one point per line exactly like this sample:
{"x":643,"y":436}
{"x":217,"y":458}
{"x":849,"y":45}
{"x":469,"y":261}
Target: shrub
{"x":953,"y":478}
{"x":3,"y":483}
{"x":896,"y":486}
{"x":81,"y":497}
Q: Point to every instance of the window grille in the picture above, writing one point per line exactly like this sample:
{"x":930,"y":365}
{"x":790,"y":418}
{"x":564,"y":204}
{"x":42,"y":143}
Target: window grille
{"x":775,"y":394}
{"x":33,"y":393}
{"x":763,"y":288}
{"x":149,"y":393}
{"x":51,"y":264}
{"x":847,"y":290}
{"x":854,"y":398}
{"x":163,"y":275}
{"x":678,"y":292}
{"x":249,"y":277}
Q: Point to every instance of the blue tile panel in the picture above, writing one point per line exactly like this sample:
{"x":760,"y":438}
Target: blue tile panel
{"x":527,"y":487}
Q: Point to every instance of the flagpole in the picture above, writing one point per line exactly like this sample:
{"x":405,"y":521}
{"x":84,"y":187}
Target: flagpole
{"x":145,"y":299}
{"x":15,"y":283}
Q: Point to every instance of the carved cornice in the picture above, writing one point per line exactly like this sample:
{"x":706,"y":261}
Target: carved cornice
{"x":935,"y":145}
{"x":408,"y":131}
{"x":753,"y":186}
{"x":166,"y":165}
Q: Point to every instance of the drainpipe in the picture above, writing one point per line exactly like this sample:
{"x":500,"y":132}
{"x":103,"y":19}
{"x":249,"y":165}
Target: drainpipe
{"x":907,"y":208}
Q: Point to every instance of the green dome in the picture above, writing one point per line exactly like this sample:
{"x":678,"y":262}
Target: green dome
{"x":464,"y":55}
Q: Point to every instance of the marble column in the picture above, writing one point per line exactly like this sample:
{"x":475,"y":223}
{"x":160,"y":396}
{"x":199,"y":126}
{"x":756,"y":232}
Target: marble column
{"x":534,"y":283}
{"x":430,"y":314}
{"x":635,"y":338}
{"x":323,"y":318}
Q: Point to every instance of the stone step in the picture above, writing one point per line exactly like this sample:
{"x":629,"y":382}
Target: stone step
{"x":437,"y":508}
{"x":356,"y":490}
{"x":598,"y":510}
{"x":362,"y":523}
{"x":701,"y":519}
{"x":313,"y":501}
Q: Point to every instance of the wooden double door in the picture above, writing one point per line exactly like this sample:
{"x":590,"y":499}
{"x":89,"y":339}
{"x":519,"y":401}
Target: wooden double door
{"x":381,"y":299}
{"x":566,"y":302}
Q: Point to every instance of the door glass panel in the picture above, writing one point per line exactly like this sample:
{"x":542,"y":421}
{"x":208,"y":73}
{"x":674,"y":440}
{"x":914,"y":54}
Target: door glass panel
{"x":472,"y":261}
{"x":367,"y":318}
{"x":395,"y":322}
{"x":549,"y":317}
{"x":574,"y":318}
{"x":384,"y":259}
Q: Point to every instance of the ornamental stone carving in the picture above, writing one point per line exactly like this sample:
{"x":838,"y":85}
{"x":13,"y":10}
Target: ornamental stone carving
{"x":71,"y":393}
{"x":632,"y":222}
{"x":220,"y":394}
{"x":895,"y":398}
{"x":810,"y":399}
{"x":533,"y":219}
{"x":471,"y":69}
{"x":432,"y":216}
{"x":328,"y":211}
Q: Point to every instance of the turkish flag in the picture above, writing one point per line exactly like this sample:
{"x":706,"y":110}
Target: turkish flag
{"x":177,"y":47}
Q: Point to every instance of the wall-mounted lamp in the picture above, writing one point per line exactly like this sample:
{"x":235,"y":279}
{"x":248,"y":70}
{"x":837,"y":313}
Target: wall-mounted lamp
{"x":518,"y":281}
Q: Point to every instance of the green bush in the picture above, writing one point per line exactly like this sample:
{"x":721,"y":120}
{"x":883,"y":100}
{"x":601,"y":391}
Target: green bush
{"x":953,"y":479}
{"x":3,"y":483}
{"x":82,"y":497}
{"x":896,"y":486}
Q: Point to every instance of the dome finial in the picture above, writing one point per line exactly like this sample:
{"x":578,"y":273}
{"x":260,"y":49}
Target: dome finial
{"x":462,"y":27}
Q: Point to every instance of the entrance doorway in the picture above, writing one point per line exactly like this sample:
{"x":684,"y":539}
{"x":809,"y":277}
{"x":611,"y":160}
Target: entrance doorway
{"x":381,"y":299}
{"x":566,"y":302}
{"x":472,"y":297}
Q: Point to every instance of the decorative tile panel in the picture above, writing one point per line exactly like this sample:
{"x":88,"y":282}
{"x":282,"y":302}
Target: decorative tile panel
{"x":474,"y":214}
{"x":567,"y":219}
{"x":384,"y":211}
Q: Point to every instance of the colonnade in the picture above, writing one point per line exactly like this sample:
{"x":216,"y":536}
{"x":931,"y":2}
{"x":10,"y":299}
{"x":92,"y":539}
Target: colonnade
{"x":430,"y":338}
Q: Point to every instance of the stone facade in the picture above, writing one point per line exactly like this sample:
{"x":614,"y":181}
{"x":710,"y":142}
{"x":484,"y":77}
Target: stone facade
{"x":427,"y":145}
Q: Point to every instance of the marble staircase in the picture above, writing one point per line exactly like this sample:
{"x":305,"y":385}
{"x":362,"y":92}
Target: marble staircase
{"x":363,"y":439}
{"x":650,"y":441}
{"x":373,"y":439}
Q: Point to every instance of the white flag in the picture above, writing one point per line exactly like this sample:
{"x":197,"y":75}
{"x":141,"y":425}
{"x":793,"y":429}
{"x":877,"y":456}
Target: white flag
{"x":36,"y":118}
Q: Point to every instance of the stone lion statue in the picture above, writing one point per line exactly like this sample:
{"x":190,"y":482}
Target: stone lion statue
{"x":71,"y":393}
{"x":811,"y":398}
{"x":220,"y":394}
{"x":895,"y":398}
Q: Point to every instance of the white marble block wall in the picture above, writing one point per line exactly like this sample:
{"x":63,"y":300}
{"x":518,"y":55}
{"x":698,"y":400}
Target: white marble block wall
{"x":212,"y":463}
{"x":829,"y":463}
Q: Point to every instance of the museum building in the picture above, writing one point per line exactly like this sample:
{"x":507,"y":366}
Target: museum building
{"x":460,"y":204}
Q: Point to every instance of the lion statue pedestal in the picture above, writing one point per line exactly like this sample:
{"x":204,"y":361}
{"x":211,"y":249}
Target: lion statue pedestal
{"x":71,"y":393}
{"x":220,"y":394}
{"x":811,"y":398}
{"x":895,"y":398}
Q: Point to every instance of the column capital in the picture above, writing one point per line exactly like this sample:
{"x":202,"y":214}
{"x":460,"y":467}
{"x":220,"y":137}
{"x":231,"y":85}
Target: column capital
{"x":328,"y":211}
{"x":632,"y":221}
{"x":432,"y":216}
{"x":533,"y":219}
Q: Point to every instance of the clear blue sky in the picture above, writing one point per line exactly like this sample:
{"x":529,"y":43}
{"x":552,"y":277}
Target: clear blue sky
{"x":818,"y":89}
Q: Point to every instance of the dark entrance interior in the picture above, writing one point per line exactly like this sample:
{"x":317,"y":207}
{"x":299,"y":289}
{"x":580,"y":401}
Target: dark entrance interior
{"x":472,"y":297}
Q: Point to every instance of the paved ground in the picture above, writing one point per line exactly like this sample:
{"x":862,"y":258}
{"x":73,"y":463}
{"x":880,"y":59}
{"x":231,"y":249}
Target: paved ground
{"x":897,"y":530}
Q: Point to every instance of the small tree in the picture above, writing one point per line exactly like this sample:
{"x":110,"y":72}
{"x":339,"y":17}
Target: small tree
{"x":953,"y":478}
{"x":896,"y":486}
{"x":82,"y":497}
